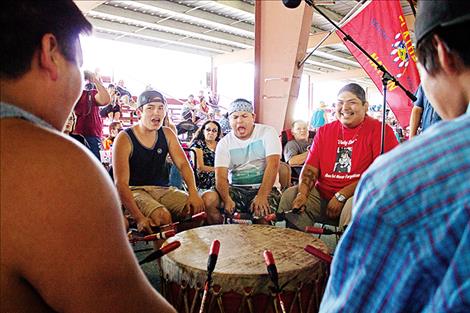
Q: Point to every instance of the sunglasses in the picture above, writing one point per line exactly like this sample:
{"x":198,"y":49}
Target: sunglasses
{"x":214,"y":130}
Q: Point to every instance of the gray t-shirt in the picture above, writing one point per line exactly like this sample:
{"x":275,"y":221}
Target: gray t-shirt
{"x":294,"y":147}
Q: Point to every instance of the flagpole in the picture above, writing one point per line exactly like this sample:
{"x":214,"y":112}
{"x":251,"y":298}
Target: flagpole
{"x":386,"y":76}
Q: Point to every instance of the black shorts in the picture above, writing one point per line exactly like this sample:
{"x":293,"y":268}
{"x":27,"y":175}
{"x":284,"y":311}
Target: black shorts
{"x":243,"y":196}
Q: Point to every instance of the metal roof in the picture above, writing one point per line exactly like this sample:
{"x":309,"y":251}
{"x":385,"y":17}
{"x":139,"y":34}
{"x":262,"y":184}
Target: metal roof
{"x":210,"y":28}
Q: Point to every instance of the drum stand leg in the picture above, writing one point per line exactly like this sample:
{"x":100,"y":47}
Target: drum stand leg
{"x":313,"y":296}
{"x":274,"y":304}
{"x":216,"y":297}
{"x":197,"y":295}
{"x":297,"y":298}
{"x":247,"y":292}
{"x":183,"y":297}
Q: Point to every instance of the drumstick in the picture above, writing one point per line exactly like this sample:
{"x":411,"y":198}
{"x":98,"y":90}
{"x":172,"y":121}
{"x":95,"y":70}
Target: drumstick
{"x":213,"y":254}
{"x":321,"y":231}
{"x":196,"y":217}
{"x":161,"y":252}
{"x":280,"y":216}
{"x":152,"y":237}
{"x":235,"y":218}
{"x":272,"y":271}
{"x":319,"y":254}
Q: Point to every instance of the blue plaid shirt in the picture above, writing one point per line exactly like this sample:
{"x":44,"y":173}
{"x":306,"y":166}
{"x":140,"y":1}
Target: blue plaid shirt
{"x":408,"y":246}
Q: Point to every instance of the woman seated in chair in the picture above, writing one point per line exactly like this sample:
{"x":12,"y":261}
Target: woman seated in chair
{"x":204,"y":143}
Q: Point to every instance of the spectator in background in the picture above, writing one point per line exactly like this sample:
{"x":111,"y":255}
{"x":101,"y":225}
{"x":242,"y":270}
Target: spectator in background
{"x":89,"y":122}
{"x":114,"y":129}
{"x":296,"y":150}
{"x":63,"y":247}
{"x":202,"y":110}
{"x":122,"y":90}
{"x":70,"y":127}
{"x":423,"y":114}
{"x":113,"y":110}
{"x":204,"y":143}
{"x":189,"y":108}
{"x":225,"y":124}
{"x":319,"y":116}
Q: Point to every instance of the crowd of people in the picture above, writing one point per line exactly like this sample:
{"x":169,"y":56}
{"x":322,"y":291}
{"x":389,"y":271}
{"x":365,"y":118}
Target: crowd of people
{"x":406,"y":245}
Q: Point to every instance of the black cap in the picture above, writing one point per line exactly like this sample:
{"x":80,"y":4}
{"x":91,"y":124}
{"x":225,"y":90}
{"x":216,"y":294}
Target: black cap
{"x":440,"y":13}
{"x":149,"y":96}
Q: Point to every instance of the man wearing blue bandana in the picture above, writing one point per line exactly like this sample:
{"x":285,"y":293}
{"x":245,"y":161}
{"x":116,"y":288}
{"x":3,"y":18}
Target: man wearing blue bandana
{"x":246,"y":167}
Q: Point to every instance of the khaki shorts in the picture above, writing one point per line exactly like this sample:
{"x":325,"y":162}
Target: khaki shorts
{"x":151,"y":198}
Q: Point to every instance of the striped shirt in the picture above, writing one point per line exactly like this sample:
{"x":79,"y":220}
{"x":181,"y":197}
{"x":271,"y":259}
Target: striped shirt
{"x":408,"y":246}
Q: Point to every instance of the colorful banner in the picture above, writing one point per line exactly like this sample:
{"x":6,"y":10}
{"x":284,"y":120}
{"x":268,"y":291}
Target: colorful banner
{"x":381,"y":30}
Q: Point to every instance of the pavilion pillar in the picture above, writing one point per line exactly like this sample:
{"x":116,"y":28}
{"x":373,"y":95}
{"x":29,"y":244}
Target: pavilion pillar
{"x":281,"y":38}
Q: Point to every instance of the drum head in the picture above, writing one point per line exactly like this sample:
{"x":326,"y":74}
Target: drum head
{"x":240,"y":262}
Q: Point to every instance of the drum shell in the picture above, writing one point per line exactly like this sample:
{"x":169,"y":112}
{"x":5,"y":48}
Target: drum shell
{"x":244,"y":288}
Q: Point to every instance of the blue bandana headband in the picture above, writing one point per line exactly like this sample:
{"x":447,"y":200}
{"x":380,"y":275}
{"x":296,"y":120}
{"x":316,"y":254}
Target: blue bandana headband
{"x":240,"y":105}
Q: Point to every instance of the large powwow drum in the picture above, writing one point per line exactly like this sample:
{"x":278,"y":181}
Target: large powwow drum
{"x":240,"y":282}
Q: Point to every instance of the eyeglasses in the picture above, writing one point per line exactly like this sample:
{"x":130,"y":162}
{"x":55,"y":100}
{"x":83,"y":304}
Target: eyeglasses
{"x":214,"y":130}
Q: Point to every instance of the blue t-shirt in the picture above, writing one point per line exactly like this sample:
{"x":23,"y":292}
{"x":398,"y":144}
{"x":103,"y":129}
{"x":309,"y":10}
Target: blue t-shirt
{"x":429,"y":116}
{"x":318,"y":119}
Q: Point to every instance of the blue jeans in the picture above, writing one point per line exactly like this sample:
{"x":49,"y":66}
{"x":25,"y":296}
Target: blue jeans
{"x":95,"y":145}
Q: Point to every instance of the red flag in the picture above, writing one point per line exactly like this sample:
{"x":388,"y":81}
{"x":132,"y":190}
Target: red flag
{"x":380,"y":29}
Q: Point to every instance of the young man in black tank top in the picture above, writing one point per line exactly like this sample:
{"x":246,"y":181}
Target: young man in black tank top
{"x":140,"y":172}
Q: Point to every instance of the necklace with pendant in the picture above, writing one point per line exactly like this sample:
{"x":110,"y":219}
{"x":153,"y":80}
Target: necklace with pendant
{"x":351,"y":141}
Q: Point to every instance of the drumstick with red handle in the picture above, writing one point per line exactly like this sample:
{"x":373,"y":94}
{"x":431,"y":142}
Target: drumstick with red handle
{"x":273,"y":275}
{"x":161,"y":252}
{"x":152,"y":237}
{"x":238,"y":218}
{"x":280,"y":216}
{"x":196,"y":217}
{"x":213,"y":254}
{"x":319,"y":254}
{"x":321,"y":231}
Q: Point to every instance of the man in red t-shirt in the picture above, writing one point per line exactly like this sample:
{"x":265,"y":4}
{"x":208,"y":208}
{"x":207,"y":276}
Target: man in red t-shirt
{"x":341,"y":152}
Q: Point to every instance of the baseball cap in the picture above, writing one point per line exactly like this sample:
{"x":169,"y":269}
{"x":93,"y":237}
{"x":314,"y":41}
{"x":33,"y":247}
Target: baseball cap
{"x":240,"y":105}
{"x":149,"y":96}
{"x":440,"y":13}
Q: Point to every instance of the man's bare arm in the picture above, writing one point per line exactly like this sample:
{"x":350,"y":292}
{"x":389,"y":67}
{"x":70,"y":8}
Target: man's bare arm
{"x":121,"y":173}
{"x":270,"y":174}
{"x":298,"y":159}
{"x":102,"y":97}
{"x":308,"y":178}
{"x":200,"y":161}
{"x":415,"y":120}
{"x":74,"y":250}
{"x":221,"y":182}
